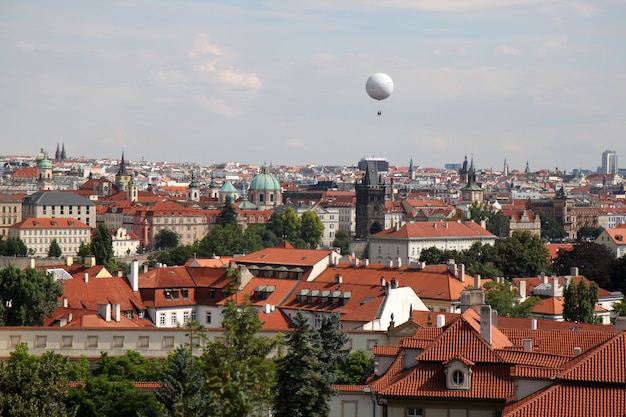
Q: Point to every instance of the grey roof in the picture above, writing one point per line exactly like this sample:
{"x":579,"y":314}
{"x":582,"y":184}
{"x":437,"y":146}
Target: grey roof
{"x":57,"y":198}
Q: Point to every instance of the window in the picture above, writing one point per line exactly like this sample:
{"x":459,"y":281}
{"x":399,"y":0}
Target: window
{"x":168,"y":341}
{"x":194,"y":315}
{"x":175,"y":294}
{"x":143,"y":341}
{"x":40,"y":341}
{"x":414,"y":412}
{"x":379,"y":249}
{"x":208,"y":317}
{"x":161,"y":319}
{"x":66,"y":341}
{"x":185,"y":317}
{"x":185,"y":293}
{"x":458,"y":377}
{"x":173,"y":318}
{"x":118,"y":341}
{"x":92,"y":341}
{"x":14,"y":340}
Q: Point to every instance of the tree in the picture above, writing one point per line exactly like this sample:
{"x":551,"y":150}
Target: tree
{"x":55,"y":250}
{"x":579,"y":301}
{"x":166,"y":239}
{"x":503,"y":298}
{"x":357,"y":369}
{"x":588,"y":233}
{"x":311,"y":229}
{"x":228,"y":214}
{"x":26,"y":297}
{"x":594,"y":261}
{"x":619,"y":307}
{"x":550,"y":229}
{"x":497,"y":222}
{"x":102,"y":245}
{"x":15,"y":247}
{"x":182,"y":385}
{"x":432,"y":256}
{"x":302,"y":387}
{"x":31,"y":386}
{"x":521,"y":255}
{"x":287,"y":225}
{"x":130,"y":366}
{"x":239,"y":378}
{"x":83,"y":250}
{"x":228,"y":240}
{"x":342,"y":241}
{"x":333,"y":354}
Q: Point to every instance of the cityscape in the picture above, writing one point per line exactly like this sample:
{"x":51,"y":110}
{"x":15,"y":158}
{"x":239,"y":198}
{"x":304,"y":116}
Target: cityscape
{"x":393,"y":282}
{"x":312,"y":209}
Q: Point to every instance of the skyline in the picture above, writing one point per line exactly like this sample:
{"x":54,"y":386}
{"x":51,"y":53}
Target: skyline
{"x":211,"y":82}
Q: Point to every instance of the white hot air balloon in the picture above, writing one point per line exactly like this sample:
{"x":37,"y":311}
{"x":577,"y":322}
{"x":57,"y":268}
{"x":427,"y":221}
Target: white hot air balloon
{"x":379,"y":86}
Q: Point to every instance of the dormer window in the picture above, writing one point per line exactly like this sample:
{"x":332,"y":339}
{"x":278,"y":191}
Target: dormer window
{"x":459,"y":373}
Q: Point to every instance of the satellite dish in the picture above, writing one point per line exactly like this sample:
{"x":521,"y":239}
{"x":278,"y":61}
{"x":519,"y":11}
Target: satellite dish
{"x":379,"y":86}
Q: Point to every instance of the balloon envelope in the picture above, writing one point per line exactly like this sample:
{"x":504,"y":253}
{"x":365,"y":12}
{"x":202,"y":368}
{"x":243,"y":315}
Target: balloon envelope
{"x":379,"y":86}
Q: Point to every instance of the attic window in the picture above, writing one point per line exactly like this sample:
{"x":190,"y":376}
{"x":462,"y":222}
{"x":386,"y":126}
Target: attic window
{"x":458,"y":377}
{"x":185,"y":293}
{"x":459,"y":374}
{"x":168,"y":294}
{"x":176,"y":294}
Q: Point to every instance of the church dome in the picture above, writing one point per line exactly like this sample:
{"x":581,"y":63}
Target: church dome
{"x":265,"y":181}
{"x":44,"y":164}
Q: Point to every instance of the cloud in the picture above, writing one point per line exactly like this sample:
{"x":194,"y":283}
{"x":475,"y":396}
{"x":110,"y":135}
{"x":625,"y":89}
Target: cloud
{"x":437,"y":52}
{"x":172,"y":80}
{"x":25,"y":46}
{"x":295,"y":144}
{"x":200,"y":46}
{"x":507,"y":50}
{"x":553,"y":44}
{"x":462,"y":51}
{"x":215,"y":105}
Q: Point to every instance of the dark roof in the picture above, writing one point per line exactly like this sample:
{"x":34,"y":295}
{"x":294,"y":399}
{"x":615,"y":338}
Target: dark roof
{"x":57,"y":198}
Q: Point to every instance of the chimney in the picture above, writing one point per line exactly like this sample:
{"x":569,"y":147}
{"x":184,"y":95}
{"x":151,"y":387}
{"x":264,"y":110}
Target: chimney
{"x":366,"y":262}
{"x":477,"y":281}
{"x":528,"y":345}
{"x":86,"y":277}
{"x":573,"y":271}
{"x":577,"y":351}
{"x":522,"y":289}
{"x":394,"y":283}
{"x":383,"y":282}
{"x":441,"y":320}
{"x":555,"y":286}
{"x":133,"y":276}
{"x":65,"y":303}
{"x":485,"y":323}
{"x":116,"y":312}
{"x":120,"y":273}
{"x":460,"y":273}
{"x":533,"y":324}
{"x":90,"y":261}
{"x":398,"y":263}
{"x":267,"y":308}
{"x":31,"y":263}
{"x":69,"y":317}
{"x":69,"y":260}
{"x":338,"y":279}
{"x":104,"y":311}
{"x":355,"y":261}
{"x":620,"y":324}
{"x":390,"y":264}
{"x":483,"y":223}
{"x":544,"y":278}
{"x":434,"y":225}
{"x":145,"y":268}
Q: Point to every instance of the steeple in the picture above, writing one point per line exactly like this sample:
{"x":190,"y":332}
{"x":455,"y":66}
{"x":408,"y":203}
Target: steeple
{"x":63,"y":155}
{"x":57,"y":154}
{"x":506,"y":168}
{"x":411,"y":171}
{"x":193,"y":192}
{"x":527,"y":170}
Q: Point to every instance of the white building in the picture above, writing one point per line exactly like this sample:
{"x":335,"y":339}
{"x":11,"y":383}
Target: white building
{"x":124,"y":243}
{"x":38,"y":233}
{"x":407,"y":242}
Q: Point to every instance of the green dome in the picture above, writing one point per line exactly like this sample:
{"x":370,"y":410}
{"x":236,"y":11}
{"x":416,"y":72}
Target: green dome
{"x":265,"y":181}
{"x":44,"y":164}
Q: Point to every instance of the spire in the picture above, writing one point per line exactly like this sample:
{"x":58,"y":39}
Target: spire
{"x":63,"y":155}
{"x":57,"y":154}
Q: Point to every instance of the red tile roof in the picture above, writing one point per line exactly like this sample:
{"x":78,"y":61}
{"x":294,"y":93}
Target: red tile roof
{"x":425,"y":230}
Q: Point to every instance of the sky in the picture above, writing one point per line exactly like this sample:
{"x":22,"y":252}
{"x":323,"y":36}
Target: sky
{"x":283,"y":81}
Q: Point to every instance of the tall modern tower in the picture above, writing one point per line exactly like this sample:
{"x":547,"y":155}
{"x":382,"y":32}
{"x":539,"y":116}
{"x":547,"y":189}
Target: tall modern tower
{"x":609,"y":162}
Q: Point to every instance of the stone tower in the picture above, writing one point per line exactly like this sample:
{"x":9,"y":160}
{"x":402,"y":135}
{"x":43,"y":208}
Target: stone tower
{"x":370,"y":203}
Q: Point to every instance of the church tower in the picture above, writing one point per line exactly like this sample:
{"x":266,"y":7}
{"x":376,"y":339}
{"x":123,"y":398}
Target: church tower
{"x":411,"y":170}
{"x":193,"y":192}
{"x":505,"y":171}
{"x":132,"y":190}
{"x":44,"y":174}
{"x":472,"y":191}
{"x":122,"y":178}
{"x":463,"y":173}
{"x":370,"y":203}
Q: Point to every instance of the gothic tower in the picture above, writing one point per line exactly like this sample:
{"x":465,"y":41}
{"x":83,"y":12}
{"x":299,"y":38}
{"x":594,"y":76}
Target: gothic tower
{"x":193,"y":192}
{"x":370,"y":203}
